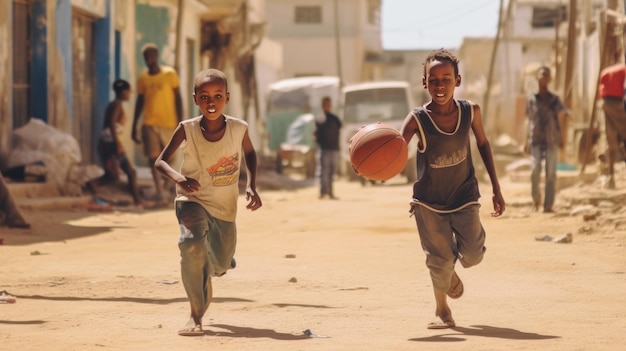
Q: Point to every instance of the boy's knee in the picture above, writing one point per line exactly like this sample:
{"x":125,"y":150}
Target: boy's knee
{"x":193,"y":249}
{"x":472,"y":258}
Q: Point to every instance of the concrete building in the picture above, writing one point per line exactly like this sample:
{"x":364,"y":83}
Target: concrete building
{"x":534,"y":34}
{"x":328,"y":37}
{"x":58,"y":58}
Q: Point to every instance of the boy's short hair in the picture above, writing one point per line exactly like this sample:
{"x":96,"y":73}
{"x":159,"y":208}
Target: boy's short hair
{"x":542,"y":69}
{"x":209,"y":73}
{"x":442,"y":55}
{"x":149,"y":47}
{"x":119,"y":86}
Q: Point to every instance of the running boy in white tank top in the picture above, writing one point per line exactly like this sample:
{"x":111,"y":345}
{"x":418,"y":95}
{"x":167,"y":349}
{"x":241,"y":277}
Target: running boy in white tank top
{"x":213,"y":147}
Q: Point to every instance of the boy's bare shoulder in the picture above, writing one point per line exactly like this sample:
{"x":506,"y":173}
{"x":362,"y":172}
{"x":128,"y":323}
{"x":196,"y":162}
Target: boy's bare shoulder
{"x":191,"y":120}
{"x":235,"y":120}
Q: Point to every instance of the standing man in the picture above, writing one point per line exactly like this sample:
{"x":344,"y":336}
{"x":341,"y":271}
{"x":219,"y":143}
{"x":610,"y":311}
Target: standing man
{"x":159,"y":99}
{"x":544,"y":110}
{"x":611,"y":90}
{"x":327,"y":137}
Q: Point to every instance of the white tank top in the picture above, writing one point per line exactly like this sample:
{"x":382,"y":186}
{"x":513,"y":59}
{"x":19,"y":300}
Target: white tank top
{"x":215,"y":165}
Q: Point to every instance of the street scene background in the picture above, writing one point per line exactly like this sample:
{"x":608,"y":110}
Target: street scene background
{"x":321,"y":275}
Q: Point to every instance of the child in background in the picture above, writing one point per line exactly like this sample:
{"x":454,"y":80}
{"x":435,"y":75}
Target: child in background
{"x":110,"y":148}
{"x":214,"y":147}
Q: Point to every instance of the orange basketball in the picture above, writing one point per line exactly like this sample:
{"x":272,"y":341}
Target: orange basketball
{"x":378,"y":152}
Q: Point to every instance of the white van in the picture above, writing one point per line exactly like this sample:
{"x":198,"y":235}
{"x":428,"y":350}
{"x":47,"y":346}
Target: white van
{"x":387,"y":102}
{"x":291,"y":105}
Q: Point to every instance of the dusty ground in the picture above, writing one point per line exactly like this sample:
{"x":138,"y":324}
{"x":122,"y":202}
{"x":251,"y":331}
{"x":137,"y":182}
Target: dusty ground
{"x":350,"y":270}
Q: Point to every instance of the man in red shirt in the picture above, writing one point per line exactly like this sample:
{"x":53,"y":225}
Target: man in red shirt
{"x":611,"y":90}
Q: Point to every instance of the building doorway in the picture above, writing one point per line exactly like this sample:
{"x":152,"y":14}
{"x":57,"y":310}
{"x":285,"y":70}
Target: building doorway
{"x":83,"y":66}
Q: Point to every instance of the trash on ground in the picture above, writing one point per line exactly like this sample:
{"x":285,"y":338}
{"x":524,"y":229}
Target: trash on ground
{"x":168,"y":282}
{"x":563,"y":239}
{"x":310,"y":334}
{"x":5,"y":297}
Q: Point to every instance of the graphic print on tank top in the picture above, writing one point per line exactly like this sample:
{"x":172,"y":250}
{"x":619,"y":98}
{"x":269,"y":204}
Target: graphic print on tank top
{"x":224,"y":171}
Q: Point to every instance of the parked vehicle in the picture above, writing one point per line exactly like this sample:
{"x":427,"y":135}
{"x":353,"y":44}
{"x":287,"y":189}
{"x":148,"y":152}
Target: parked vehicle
{"x":288,"y":100}
{"x":388,"y":102}
{"x":299,"y":151}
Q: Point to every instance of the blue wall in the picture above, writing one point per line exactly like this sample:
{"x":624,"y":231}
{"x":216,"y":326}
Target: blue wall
{"x":39,"y":62}
{"x":104,"y":53}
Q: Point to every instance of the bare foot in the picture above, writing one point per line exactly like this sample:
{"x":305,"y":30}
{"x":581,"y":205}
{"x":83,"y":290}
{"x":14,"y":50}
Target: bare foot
{"x":191,"y":329}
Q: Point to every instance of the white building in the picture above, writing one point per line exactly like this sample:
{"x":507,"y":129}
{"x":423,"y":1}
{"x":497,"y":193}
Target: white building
{"x":327,"y":37}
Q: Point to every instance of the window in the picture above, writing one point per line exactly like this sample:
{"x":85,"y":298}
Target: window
{"x":308,"y":14}
{"x":546,"y":17}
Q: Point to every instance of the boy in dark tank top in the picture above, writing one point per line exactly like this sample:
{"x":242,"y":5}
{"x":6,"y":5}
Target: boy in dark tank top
{"x":445,"y":195}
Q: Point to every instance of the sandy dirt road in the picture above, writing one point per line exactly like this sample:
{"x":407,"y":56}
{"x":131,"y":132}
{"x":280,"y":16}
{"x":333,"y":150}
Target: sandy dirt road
{"x":351,"y":271}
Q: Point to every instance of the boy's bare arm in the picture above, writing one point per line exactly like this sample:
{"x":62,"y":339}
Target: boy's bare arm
{"x":254,"y":200}
{"x":409,"y":128}
{"x":178,"y":100}
{"x":162,"y":166}
{"x":485,"y":153}
{"x":138,"y":110}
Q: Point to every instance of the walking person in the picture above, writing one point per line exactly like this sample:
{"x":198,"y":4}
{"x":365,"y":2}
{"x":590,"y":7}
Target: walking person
{"x":544,"y":111}
{"x":445,"y":196}
{"x":214,"y":146}
{"x":611,"y":90}
{"x":160,"y":103}
{"x":327,"y":132}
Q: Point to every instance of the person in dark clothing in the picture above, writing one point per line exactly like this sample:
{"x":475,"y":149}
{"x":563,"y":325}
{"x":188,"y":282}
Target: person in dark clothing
{"x":445,"y":197}
{"x":327,"y":130}
{"x":544,"y":110}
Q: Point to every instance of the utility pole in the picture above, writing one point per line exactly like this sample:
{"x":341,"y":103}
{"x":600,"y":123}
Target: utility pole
{"x":494,"y":52}
{"x":179,"y":26}
{"x":572,"y":39}
{"x":338,"y":44}
{"x":557,"y":47}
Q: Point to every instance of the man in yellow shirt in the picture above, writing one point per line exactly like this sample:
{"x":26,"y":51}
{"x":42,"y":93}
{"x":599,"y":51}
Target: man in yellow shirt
{"x":160,"y":102}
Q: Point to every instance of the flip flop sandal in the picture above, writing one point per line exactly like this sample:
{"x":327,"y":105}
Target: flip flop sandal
{"x":441,"y":325}
{"x":456,"y":287}
{"x":191,"y":332}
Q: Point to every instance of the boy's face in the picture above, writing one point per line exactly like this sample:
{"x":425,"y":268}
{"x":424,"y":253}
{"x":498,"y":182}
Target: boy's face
{"x":151,"y":57}
{"x":544,"y":77}
{"x":125,"y":95}
{"x":211,"y":97}
{"x":326,"y":105}
{"x":440,"y":81}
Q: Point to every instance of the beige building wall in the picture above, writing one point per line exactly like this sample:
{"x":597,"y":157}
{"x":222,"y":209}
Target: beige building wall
{"x":311,"y":49}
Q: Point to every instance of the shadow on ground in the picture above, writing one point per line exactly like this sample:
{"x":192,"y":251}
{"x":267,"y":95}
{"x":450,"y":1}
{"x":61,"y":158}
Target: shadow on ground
{"x":459,"y":334}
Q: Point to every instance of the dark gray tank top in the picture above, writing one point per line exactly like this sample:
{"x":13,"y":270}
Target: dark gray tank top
{"x":446,"y":180}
